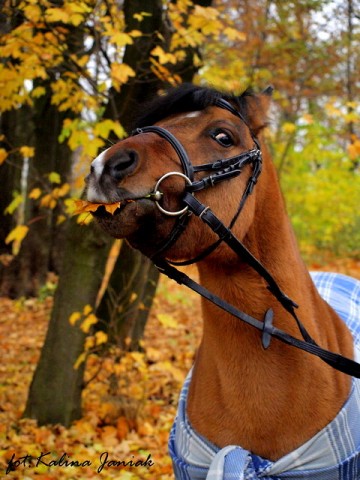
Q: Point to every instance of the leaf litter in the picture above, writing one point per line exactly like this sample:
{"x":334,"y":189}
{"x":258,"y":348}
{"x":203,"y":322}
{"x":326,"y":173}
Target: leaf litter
{"x":128,"y":407}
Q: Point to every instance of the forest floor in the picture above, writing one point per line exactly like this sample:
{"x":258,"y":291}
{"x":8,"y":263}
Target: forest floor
{"x":128,"y":405}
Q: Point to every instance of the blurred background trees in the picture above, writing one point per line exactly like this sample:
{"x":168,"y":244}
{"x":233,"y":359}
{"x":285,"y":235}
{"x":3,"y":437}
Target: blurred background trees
{"x":74,"y":74}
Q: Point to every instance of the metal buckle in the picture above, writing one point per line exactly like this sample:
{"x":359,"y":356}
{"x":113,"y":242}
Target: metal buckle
{"x":157,"y":194}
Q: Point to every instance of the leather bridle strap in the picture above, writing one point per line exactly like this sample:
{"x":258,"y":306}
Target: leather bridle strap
{"x":179,"y":149}
{"x":343,"y":364}
{"x":225,"y":234}
{"x":309,"y":345}
{"x":223,"y":170}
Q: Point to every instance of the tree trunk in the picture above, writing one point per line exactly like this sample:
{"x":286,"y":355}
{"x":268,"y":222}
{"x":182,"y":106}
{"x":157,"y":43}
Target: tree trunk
{"x":125,"y":306}
{"x":16,"y":127}
{"x":77,"y":287}
{"x":134,"y":278}
{"x":55,"y":391}
{"x":28,"y":270}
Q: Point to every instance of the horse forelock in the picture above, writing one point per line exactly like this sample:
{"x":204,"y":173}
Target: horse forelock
{"x":186,"y":98}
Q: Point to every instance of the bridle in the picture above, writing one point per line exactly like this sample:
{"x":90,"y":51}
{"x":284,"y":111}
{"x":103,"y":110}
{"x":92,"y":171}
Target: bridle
{"x":221,"y":170}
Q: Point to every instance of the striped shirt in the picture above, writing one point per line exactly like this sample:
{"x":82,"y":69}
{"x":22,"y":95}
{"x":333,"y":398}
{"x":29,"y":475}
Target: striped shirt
{"x":332,"y":454}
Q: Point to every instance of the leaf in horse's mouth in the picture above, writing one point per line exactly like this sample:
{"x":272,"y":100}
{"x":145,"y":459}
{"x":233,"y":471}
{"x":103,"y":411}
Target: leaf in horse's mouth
{"x":83,"y":206}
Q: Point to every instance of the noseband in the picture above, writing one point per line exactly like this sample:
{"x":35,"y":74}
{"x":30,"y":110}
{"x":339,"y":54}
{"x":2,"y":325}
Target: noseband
{"x":220,"y":170}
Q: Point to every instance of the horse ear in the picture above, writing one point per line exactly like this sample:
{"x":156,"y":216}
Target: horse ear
{"x":257,"y":107}
{"x":268,"y":91}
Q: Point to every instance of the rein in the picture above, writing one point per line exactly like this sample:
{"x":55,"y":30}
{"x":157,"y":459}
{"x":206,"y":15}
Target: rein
{"x":221,"y":170}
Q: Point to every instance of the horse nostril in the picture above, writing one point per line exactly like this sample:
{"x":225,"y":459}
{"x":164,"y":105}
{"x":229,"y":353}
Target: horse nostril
{"x":121,"y":163}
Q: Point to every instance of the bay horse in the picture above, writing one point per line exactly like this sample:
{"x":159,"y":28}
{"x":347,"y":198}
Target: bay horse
{"x":252,"y":405}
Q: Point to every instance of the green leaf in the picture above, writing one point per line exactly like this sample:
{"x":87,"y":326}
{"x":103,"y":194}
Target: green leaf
{"x":16,"y":202}
{"x":54,"y":177}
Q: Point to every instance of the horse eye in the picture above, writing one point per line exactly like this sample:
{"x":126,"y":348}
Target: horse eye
{"x":223,"y":138}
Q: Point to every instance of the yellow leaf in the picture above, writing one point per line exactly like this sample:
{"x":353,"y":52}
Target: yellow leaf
{"x":81,"y":358}
{"x":60,"y":219}
{"x":352,"y":104}
{"x":175,"y":372}
{"x":33,"y":12}
{"x":163,"y":56}
{"x":76,"y":19}
{"x":74,"y":317}
{"x":70,"y":205}
{"x":16,"y":236}
{"x":38,"y":92}
{"x":121,"y":39}
{"x":87,"y":310}
{"x":133,"y":297}
{"x":18,"y":233}
{"x":61,"y":191}
{"x":234,"y":34}
{"x":89,"y":343}
{"x":35,"y":193}
{"x":289,"y":127}
{"x":103,"y":128}
{"x":120,"y":73}
{"x":54,"y":177}
{"x":84,"y":219}
{"x":139,"y":357}
{"x":48,"y":201}
{"x":94,"y":340}
{"x":89,"y":321}
{"x":27,"y":152}
{"x":140,"y":16}
{"x":167,"y":321}
{"x":3,"y":155}
{"x":16,"y":202}
{"x":56,"y":15}
{"x":100,"y":338}
{"x":153,"y":354}
{"x":135,"y":33}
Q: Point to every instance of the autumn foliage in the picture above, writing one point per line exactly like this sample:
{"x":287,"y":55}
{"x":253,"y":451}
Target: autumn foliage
{"x":67,"y":81}
{"x":312,"y":128}
{"x":130,"y":397}
{"x":129,"y":400}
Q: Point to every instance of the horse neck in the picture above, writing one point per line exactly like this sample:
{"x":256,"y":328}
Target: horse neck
{"x":234,"y":374}
{"x":271,"y":240}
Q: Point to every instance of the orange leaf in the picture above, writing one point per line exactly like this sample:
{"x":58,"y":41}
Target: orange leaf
{"x":83,"y":206}
{"x":122,"y":428}
{"x":112,"y":207}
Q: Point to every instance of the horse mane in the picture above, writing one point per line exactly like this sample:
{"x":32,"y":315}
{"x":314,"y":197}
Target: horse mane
{"x":186,"y":98}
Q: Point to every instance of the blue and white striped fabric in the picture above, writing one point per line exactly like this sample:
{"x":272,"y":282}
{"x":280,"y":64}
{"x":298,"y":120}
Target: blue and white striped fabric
{"x":332,"y":454}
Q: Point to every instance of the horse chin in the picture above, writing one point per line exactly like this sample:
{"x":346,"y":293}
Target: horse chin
{"x":137,"y":222}
{"x":125,"y":221}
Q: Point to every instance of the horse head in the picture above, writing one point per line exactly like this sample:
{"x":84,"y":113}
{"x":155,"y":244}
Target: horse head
{"x":208,"y":132}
